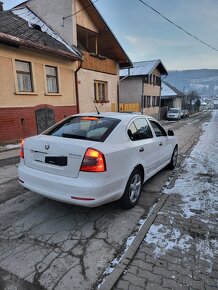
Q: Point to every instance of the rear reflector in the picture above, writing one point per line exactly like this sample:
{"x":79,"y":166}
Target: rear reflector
{"x":82,"y":198}
{"x":93,"y":161}
{"x":22,"y":149}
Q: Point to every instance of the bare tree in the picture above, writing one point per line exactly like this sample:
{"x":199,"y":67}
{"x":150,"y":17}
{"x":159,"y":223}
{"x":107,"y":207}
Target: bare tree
{"x":190,"y":100}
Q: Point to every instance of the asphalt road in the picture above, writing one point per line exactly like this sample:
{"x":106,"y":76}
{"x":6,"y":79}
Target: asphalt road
{"x":46,"y":244}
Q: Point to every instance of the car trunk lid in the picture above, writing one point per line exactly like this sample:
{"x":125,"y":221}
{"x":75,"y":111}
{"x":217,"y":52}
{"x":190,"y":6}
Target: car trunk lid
{"x":56,"y":155}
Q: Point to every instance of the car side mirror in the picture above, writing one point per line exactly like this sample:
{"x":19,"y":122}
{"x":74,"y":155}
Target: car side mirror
{"x":170,"y":133}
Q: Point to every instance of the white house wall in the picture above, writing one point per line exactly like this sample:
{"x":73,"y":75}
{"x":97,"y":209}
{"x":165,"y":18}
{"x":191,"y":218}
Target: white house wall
{"x":177,"y":103}
{"x":82,"y":18}
{"x":86,"y":80}
{"x":52,"y":12}
{"x":130,"y":90}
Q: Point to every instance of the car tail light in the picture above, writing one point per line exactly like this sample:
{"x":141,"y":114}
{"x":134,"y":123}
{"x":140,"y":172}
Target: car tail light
{"x":93,"y":161}
{"x":22,"y":149}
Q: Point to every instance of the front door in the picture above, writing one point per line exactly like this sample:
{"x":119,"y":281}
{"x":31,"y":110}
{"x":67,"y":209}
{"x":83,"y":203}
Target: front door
{"x":164,"y":144}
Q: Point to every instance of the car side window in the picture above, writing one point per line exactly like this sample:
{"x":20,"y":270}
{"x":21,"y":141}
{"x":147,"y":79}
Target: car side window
{"x":139,"y":129}
{"x":158,"y":129}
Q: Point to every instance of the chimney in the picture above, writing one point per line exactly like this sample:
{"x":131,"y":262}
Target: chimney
{"x":1,"y":6}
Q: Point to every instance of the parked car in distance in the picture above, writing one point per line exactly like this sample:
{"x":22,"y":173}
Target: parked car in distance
{"x":182,"y":114}
{"x":185,"y":113}
{"x":174,"y":114}
{"x":92,"y":159}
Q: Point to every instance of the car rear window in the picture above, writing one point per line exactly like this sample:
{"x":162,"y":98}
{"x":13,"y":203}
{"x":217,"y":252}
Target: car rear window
{"x":86,"y":128}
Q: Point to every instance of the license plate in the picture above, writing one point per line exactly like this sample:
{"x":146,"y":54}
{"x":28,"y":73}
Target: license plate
{"x":56,"y":160}
{"x":40,"y":157}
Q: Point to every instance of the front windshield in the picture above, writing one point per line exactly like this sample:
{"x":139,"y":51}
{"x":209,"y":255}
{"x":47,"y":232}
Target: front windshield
{"x":173,"y":111}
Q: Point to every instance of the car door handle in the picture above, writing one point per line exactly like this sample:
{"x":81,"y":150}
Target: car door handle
{"x":160,"y":144}
{"x":141,"y":149}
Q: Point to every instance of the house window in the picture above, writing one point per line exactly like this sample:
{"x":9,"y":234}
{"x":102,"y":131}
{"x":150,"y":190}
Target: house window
{"x":154,"y":80}
{"x":158,"y":81}
{"x":153,"y":101}
{"x":147,"y":101}
{"x":100,"y":92}
{"x":51,"y":79}
{"x":24,"y":76}
{"x":158,"y":101}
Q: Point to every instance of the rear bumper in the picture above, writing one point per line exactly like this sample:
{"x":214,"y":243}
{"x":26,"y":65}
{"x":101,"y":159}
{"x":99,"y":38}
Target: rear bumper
{"x":89,"y":189}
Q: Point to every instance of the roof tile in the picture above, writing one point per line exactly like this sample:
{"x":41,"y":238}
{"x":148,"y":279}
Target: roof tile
{"x":13,"y":25}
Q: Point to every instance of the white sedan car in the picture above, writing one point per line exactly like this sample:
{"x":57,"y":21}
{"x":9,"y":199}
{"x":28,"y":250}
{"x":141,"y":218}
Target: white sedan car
{"x":92,"y":159}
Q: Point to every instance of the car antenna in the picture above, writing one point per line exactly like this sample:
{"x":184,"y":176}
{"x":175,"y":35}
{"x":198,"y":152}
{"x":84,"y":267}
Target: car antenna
{"x":96,"y":107}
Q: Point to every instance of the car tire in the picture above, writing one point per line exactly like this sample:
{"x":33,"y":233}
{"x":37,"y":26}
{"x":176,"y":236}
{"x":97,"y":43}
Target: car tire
{"x":132,"y":191}
{"x":174,"y":157}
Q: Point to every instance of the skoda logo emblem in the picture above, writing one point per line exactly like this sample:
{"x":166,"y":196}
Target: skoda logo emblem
{"x":47,"y":146}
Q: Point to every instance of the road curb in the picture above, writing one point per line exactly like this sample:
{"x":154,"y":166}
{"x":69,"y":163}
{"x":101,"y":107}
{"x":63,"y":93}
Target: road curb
{"x":111,"y":280}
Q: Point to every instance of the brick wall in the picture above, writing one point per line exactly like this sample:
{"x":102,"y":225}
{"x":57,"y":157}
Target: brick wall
{"x":20,"y":122}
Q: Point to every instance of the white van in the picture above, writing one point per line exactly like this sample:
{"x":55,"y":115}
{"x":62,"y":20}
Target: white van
{"x":174,"y":114}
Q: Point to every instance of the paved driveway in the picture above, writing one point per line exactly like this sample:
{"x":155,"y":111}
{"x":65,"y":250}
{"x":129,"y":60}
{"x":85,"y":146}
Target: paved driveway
{"x":45,"y":244}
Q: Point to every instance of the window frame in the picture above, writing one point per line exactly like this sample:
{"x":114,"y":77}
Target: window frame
{"x":140,"y":137}
{"x":153,"y":101}
{"x":104,"y":90}
{"x":58,"y":81}
{"x":154,"y":122}
{"x":20,"y":72}
{"x":148,"y":101}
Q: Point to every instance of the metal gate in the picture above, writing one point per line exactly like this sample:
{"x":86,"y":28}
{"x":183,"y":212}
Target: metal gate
{"x":45,"y":118}
{"x":129,"y":107}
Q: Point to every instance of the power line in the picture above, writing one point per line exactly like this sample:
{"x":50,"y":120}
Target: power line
{"x":79,"y":11}
{"x":170,"y":21}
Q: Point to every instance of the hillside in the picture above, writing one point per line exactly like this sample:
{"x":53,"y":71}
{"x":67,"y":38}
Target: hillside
{"x":203,"y":81}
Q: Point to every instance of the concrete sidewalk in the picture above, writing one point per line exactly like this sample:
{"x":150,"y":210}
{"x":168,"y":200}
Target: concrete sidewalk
{"x":9,"y":156}
{"x":180,"y":250}
{"x":9,"y":160}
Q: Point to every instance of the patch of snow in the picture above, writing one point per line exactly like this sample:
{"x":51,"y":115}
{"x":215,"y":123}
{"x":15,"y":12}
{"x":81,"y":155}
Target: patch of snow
{"x":9,"y":147}
{"x":12,"y":146}
{"x":206,"y":249}
{"x":197,"y":185}
{"x":166,"y":239}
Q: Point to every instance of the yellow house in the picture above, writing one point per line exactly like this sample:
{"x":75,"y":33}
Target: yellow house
{"x":80,"y":24}
{"x":37,"y":76}
{"x":56,"y":59}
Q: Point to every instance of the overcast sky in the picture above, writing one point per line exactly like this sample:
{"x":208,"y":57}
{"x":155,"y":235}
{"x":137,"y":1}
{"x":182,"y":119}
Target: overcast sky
{"x":145,"y":35}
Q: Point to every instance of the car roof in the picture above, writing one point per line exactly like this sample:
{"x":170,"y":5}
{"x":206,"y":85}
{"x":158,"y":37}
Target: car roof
{"x":122,"y":116}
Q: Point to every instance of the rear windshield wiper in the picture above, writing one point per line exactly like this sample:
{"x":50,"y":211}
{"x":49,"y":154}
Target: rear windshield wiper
{"x":67,"y":135}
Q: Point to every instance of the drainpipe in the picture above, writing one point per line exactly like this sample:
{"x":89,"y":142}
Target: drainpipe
{"x":76,"y":85}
